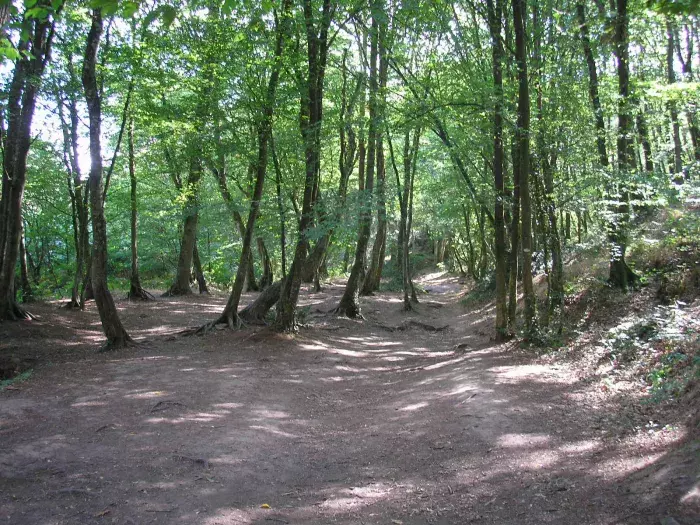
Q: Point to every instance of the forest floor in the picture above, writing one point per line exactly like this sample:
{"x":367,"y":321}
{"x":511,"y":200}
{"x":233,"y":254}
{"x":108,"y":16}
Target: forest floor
{"x":347,"y":422}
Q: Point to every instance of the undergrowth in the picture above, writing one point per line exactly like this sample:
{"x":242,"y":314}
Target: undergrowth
{"x":650,"y":336}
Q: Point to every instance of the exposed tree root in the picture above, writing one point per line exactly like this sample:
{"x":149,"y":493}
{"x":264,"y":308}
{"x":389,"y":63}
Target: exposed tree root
{"x":72,"y":305}
{"x":176,"y":291}
{"x":621,"y":275}
{"x":14,"y":312}
{"x":406,"y":325}
{"x":120,"y":343}
{"x":230,"y":319}
{"x":350,"y":311}
{"x":139,"y":294}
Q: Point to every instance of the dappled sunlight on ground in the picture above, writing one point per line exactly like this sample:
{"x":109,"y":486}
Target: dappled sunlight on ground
{"x":358,"y":424}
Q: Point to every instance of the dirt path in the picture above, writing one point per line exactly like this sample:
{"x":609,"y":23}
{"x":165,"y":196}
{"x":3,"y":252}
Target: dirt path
{"x":346,"y":423}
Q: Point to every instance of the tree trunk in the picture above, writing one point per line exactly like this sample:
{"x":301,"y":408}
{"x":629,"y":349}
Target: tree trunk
{"x":593,"y":86}
{"x":643,"y":132}
{"x":26,"y":288}
{"x":494,"y":20}
{"x":181,"y":285}
{"x":349,"y":303}
{"x":76,"y":187}
{"x":317,"y":55}
{"x":346,"y":164}
{"x":374,"y":273}
{"x":21,"y":102}
{"x":117,"y":336}
{"x":256,"y":311}
{"x":264,"y":132}
{"x":280,"y":206}
{"x":514,"y":250}
{"x":136,"y":291}
{"x":621,"y":276}
{"x":267,"y":277}
{"x":523,"y":137}
{"x":672,"y":108}
{"x":198,"y":271}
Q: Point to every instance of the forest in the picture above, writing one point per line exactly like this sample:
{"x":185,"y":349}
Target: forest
{"x":272,"y":243}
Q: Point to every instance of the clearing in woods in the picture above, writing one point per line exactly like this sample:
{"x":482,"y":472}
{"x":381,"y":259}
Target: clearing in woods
{"x":348,"y":422}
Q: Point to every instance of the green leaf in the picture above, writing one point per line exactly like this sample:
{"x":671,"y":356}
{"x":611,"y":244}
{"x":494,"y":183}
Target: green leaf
{"x":169,"y":13}
{"x":37,"y":12}
{"x":130,"y":8}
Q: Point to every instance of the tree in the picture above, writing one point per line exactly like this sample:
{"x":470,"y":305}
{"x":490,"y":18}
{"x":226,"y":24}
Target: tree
{"x":621,"y":275}
{"x":117,"y":337}
{"x":311,"y":120}
{"x":494,"y":19}
{"x":349,"y":303}
{"x":136,"y":291}
{"x":264,"y":134}
{"x":34,"y":52}
{"x":523,"y":167}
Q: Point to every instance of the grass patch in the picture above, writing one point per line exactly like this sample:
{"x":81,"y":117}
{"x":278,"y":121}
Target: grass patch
{"x":19,"y":378}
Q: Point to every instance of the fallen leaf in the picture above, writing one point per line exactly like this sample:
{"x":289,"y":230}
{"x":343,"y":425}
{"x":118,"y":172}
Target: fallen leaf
{"x":264,"y":506}
{"x":103,"y":513}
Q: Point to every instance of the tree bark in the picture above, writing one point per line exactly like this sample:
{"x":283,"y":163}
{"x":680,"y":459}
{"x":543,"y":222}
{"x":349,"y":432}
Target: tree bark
{"x":27,"y":296}
{"x":21,"y":102}
{"x":117,"y":337}
{"x":267,"y":276}
{"x":523,"y":138}
{"x":76,"y":189}
{"x":317,"y":55}
{"x":264,"y":132}
{"x":349,"y":303}
{"x":280,"y":206}
{"x":593,"y":86}
{"x":672,"y":107}
{"x":374,"y":273}
{"x":256,"y":312}
{"x":136,"y":291}
{"x":621,"y":276}
{"x":198,"y":271}
{"x":494,"y":19}
{"x":181,"y":285}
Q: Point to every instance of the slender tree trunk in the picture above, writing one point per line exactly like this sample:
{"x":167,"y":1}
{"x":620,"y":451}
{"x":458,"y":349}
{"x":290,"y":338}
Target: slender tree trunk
{"x":136,"y":291}
{"x":349,"y":303}
{"x":117,"y":336}
{"x":317,"y":55}
{"x":27,"y":295}
{"x":75,"y":186}
{"x":643,"y":132}
{"x":374,"y":273}
{"x":513,"y":262}
{"x":523,"y":138}
{"x":593,"y":86}
{"x":672,"y":108}
{"x":494,"y":19}
{"x":280,"y":206}
{"x":483,"y":246}
{"x":264,"y":132}
{"x":267,"y":277}
{"x":620,"y":274}
{"x":181,"y":285}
